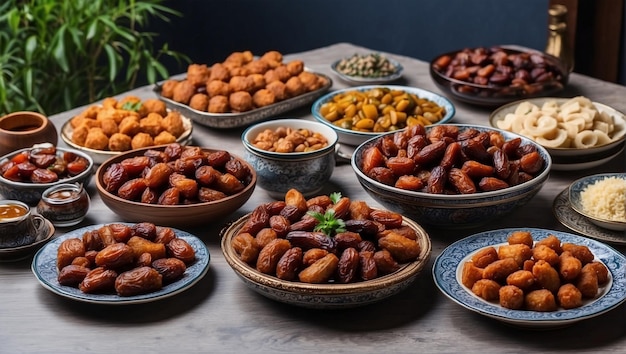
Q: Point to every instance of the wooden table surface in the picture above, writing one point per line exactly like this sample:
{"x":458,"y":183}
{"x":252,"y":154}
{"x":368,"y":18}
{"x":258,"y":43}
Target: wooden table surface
{"x":220,"y":314}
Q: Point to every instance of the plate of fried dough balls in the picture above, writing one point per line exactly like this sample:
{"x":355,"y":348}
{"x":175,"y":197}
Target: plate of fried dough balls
{"x":243,"y":89}
{"x":531,"y":277}
{"x":117,"y":125}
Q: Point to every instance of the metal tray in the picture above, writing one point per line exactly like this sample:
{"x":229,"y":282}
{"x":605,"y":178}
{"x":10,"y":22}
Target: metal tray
{"x":235,"y":120}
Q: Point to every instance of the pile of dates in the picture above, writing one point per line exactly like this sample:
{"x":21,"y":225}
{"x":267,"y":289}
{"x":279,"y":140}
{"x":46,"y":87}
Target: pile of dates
{"x":449,"y":160}
{"x":177,"y":175}
{"x":279,"y":239}
{"x":529,"y":72}
{"x":43,"y":165}
{"x":126,"y":259}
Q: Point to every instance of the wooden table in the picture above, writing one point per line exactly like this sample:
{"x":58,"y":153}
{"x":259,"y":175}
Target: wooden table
{"x":220,"y":314}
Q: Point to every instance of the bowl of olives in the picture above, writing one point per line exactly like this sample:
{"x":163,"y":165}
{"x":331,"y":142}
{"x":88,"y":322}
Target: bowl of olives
{"x":175,"y":185}
{"x":26,"y":173}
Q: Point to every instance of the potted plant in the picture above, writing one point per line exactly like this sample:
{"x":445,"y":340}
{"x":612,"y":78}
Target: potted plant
{"x":56,"y":55}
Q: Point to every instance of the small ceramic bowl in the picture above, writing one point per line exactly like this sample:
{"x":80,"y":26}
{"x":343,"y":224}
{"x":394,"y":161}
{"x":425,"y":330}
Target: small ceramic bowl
{"x":571,"y":158}
{"x":453,"y":210}
{"x":30,"y":193}
{"x":20,"y":130}
{"x":610,"y":195}
{"x":279,"y":172}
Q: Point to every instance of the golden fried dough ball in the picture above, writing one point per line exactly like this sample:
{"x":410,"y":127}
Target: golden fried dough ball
{"x":278,"y":89}
{"x":109,"y":127}
{"x":240,"y":83}
{"x":485,"y":256}
{"x":569,"y":296}
{"x":258,"y":66}
{"x":155,"y":106}
{"x":282,"y":73}
{"x":546,"y":276}
{"x":109,"y":102}
{"x":219,"y":72}
{"x":500,"y":269}
{"x":587,"y":282}
{"x":581,"y":252}
{"x":111,"y":113}
{"x":511,"y":297}
{"x":218,"y":104}
{"x":217,"y":88}
{"x":271,"y":76}
{"x":569,"y":266}
{"x":240,"y":101}
{"x":173,"y":123}
{"x":310,"y":81}
{"x":91,"y":111}
{"x":486,"y":289}
{"x":272,"y":55}
{"x":141,"y":140}
{"x":199,"y":101}
{"x":470,"y":274}
{"x":295,"y":67}
{"x":519,"y":252}
{"x":197,"y":74}
{"x":522,"y":279}
{"x":164,"y":137}
{"x":239,"y":58}
{"x":258,"y":82}
{"x":545,"y":253}
{"x":119,"y":142}
{"x":96,"y":139}
{"x":524,"y":237}
{"x":151,"y":124}
{"x":79,"y":135}
{"x":239,"y":71}
{"x":80,"y":120}
{"x":129,"y":126}
{"x":183,"y":92}
{"x":263,"y":97}
{"x":167,"y":89}
{"x":601,"y":271}
{"x":294,"y":87}
{"x":540,"y":300}
{"x":552,"y":242}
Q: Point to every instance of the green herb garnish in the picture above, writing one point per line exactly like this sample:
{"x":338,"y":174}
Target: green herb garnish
{"x":327,"y":222}
{"x":132,"y":106}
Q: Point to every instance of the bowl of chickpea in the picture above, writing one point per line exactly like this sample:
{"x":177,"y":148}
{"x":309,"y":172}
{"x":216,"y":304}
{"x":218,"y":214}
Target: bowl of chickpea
{"x":290,"y":153}
{"x":360,"y":113}
{"x":452,"y":175}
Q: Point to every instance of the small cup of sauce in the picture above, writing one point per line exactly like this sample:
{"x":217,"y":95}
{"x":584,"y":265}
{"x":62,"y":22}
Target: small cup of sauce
{"x":18,"y":226}
{"x":64,"y":204}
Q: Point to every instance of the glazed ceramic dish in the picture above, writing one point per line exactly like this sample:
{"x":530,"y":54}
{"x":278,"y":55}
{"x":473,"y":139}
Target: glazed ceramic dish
{"x":452,"y":210}
{"x":243,"y":119}
{"x":562,"y":210}
{"x":575,"y":199}
{"x":278,"y":172}
{"x":171,"y":215}
{"x":44,"y":268}
{"x":326,"y":296}
{"x":18,"y":253}
{"x":572,"y":159}
{"x":360,"y":80}
{"x":24,"y":129}
{"x":448,"y":266}
{"x":99,"y":156}
{"x":355,"y":138}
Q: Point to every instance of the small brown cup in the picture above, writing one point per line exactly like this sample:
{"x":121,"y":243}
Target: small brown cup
{"x":18,"y":226}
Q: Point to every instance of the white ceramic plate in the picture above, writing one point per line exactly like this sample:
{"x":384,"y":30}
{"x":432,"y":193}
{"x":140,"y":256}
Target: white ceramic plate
{"x":99,"y":156}
{"x":44,"y":268}
{"x":579,"y":185}
{"x":448,"y":265}
{"x":360,"y":80}
{"x":574,"y":221}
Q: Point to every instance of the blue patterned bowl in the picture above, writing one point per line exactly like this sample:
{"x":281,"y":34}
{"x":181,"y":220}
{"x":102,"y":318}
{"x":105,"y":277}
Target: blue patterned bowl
{"x":278,"y":172}
{"x":453,"y":210}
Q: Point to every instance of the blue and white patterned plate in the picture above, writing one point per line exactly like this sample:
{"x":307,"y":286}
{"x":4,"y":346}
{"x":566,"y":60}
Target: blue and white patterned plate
{"x":448,"y":266}
{"x":44,"y":268}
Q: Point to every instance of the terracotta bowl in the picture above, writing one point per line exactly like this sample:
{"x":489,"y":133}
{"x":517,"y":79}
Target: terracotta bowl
{"x":24,"y":129}
{"x":171,"y":215}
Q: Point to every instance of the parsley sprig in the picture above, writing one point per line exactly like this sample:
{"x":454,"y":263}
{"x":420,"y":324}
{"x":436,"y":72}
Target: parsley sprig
{"x":132,"y":106}
{"x":328,"y":223}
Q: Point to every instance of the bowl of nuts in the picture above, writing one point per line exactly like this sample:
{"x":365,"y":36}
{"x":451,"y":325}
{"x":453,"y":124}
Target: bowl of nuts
{"x":175,"y":185}
{"x":498,"y":75}
{"x":327,"y":251}
{"x":26,"y":173}
{"x":452,"y":175}
{"x":360,"y":113}
{"x":290,"y":153}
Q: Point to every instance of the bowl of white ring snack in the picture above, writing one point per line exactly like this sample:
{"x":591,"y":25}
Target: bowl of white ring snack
{"x":577,"y":132}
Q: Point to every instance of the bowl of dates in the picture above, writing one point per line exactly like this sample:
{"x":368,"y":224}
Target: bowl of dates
{"x":26,"y":173}
{"x":175,"y":185}
{"x":327,"y":251}
{"x":497,"y":75}
{"x":452,"y":175}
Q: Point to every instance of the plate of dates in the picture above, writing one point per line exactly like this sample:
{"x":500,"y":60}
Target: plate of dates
{"x":121,"y":263}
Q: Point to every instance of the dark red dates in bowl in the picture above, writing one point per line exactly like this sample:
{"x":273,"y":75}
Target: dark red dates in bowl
{"x":497,"y":75}
{"x":26,"y":173}
{"x":175,"y":185}
{"x":452,"y":175}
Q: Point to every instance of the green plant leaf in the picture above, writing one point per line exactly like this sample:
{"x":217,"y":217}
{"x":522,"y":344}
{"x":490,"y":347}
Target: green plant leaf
{"x":58,"y":49}
{"x":30,"y":48}
{"x":113,"y":60}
